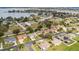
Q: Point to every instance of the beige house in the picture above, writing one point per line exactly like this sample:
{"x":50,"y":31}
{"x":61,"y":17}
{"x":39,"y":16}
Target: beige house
{"x":21,"y":38}
{"x":44,"y":44}
{"x":56,"y":42}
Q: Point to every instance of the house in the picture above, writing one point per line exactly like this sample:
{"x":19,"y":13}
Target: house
{"x":21,"y":38}
{"x":44,"y":45}
{"x":66,"y":38}
{"x":55,"y":28}
{"x":25,"y":24}
{"x":10,"y":40}
{"x":70,"y":35}
{"x":32,"y":36}
{"x":56,"y":41}
{"x":69,"y":41}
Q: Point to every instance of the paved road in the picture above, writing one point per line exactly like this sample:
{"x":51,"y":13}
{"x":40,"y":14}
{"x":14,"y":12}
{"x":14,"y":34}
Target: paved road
{"x":20,"y":25}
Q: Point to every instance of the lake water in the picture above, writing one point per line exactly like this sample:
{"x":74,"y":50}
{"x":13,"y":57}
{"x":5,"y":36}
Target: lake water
{"x":4,"y":12}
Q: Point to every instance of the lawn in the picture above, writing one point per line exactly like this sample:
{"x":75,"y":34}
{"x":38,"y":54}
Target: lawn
{"x":74,"y":47}
{"x":22,"y":47}
{"x":27,"y":40}
{"x":76,"y":38}
{"x":61,"y":47}
{"x":36,"y":48}
{"x":8,"y":45}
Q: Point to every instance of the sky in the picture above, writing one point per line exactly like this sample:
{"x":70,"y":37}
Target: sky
{"x":39,"y":3}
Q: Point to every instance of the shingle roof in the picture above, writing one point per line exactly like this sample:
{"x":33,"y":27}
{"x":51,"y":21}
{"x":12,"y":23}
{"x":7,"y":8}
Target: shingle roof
{"x":10,"y":39}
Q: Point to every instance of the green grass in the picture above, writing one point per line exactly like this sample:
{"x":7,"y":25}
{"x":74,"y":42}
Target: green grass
{"x":8,"y":45}
{"x":22,"y":47}
{"x":36,"y":48}
{"x":27,"y":40}
{"x":74,"y":47}
{"x":76,"y":38}
{"x":61,"y":47}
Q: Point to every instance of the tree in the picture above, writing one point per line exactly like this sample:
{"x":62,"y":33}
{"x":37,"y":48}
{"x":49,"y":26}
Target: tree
{"x":1,"y":33}
{"x":16,"y":31}
{"x":9,"y":18}
{"x":21,"y":46}
{"x":48,"y":24}
{"x":29,"y":29}
{"x":60,"y":29}
{"x":19,"y":19}
{"x":25,"y":19}
{"x":48,"y":35}
{"x":38,"y":28}
{"x":3,"y":28}
{"x":1,"y":39}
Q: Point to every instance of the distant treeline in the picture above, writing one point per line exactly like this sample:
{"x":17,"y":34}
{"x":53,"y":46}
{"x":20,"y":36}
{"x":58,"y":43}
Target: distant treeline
{"x":28,"y":11}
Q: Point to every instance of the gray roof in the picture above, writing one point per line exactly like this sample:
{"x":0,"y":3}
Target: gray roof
{"x":10,"y":39}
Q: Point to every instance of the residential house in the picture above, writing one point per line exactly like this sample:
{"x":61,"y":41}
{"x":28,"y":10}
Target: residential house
{"x":25,"y":24}
{"x":56,"y":41}
{"x":44,"y":45}
{"x":32,"y":36}
{"x":10,"y":40}
{"x":21,"y":38}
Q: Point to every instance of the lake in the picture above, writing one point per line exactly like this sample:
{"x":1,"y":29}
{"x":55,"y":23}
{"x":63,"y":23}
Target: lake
{"x":4,"y":12}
